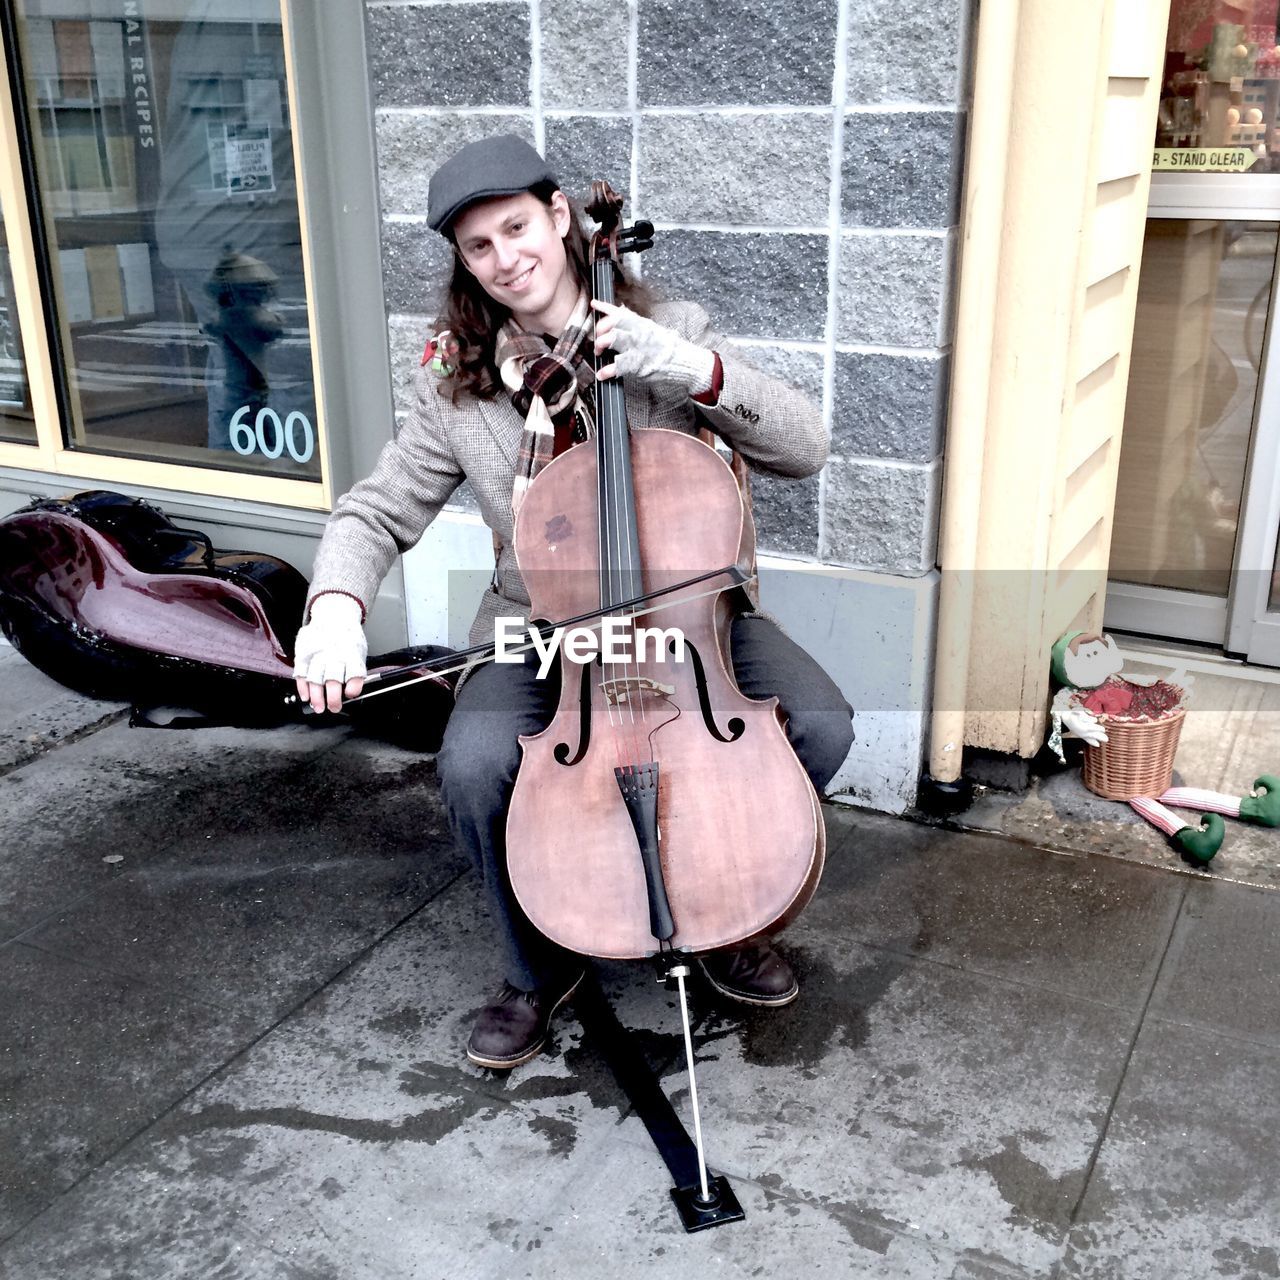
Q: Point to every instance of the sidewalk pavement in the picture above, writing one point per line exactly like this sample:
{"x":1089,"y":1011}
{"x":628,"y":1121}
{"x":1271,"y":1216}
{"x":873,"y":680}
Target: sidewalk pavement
{"x":239,"y":969}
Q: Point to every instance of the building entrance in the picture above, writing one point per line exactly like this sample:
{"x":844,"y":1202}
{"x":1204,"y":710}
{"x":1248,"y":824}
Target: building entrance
{"x":1197,"y":514}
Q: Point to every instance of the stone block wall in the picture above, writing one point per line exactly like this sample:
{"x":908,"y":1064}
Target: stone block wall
{"x":802,"y":163}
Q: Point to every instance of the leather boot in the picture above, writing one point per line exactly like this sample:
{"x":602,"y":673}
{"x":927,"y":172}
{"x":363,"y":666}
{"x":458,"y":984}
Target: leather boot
{"x":752,"y":974}
{"x":514,"y":1027}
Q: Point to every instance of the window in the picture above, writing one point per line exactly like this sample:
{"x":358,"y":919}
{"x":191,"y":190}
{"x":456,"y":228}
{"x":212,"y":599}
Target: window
{"x":17,"y":421}
{"x":1203,"y":300}
{"x":1221,"y":93}
{"x":168,"y":231}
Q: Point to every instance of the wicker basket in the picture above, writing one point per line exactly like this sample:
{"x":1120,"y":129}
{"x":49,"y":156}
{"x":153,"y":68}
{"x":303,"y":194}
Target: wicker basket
{"x":1136,"y":759}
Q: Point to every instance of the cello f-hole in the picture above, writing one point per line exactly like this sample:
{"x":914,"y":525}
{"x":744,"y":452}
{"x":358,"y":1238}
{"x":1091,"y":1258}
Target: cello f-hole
{"x":562,"y":749}
{"x":735,"y":725}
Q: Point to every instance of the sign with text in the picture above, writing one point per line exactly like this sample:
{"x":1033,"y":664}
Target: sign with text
{"x":249,"y":162}
{"x":240,"y":159}
{"x":1202,"y":159}
{"x":13,"y":383}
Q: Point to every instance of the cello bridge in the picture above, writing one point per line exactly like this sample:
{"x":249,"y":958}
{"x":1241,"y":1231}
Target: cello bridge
{"x":621,"y":690}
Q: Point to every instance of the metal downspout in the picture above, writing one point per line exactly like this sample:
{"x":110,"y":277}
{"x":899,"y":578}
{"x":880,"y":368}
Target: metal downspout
{"x":986,"y":172}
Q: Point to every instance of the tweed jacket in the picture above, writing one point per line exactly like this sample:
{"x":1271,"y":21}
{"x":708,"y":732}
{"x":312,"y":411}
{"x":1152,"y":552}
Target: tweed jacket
{"x":773,"y":427}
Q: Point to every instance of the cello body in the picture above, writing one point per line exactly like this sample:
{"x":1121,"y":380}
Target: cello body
{"x":106,"y":595}
{"x":741,"y":839}
{"x":661,"y":810}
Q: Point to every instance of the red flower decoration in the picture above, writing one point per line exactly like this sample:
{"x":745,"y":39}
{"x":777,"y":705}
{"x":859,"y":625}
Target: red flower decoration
{"x":1119,"y":697}
{"x":1109,"y":700}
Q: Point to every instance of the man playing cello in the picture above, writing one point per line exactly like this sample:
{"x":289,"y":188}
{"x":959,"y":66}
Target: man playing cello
{"x":517,"y":345}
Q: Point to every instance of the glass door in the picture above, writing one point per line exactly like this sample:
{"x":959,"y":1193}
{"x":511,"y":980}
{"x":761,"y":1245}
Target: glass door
{"x":1253,"y":626}
{"x":17,"y":418}
{"x":1196,"y":514}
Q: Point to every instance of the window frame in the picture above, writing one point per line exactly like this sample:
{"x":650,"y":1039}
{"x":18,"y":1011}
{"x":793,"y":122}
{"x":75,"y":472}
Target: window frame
{"x":332,"y":151}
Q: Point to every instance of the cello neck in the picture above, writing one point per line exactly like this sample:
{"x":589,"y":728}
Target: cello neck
{"x":620,"y":570}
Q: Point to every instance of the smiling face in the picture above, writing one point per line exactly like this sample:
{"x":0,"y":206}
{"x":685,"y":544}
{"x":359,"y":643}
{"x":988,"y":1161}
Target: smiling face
{"x":1091,"y":659}
{"x":514,"y":246}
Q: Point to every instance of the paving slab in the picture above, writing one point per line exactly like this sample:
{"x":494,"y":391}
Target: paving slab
{"x":86,"y":1060}
{"x":929,"y":1100}
{"x":257,"y":940}
{"x":335,"y":1200}
{"x":1058,"y":813}
{"x":1222,"y":973}
{"x":41,"y":714}
{"x":1092,"y":928}
{"x":404,"y":1011}
{"x":140,"y":793}
{"x":931,"y":1107}
{"x":354,"y":1139}
{"x":258,"y":914}
{"x":355,"y":1142}
{"x":565,"y":1234}
{"x":215,"y":1248}
{"x":1185,"y":1184}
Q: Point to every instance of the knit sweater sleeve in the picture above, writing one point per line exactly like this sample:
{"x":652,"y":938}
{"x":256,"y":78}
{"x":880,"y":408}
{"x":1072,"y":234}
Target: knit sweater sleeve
{"x":773,"y":426}
{"x":386,"y":513}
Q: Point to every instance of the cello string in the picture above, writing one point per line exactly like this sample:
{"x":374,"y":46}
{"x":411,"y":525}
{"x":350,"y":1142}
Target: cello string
{"x":631,"y":527}
{"x":628,"y":553}
{"x":621,"y":446}
{"x":630,"y":530}
{"x":614,"y":414}
{"x":631,"y":555}
{"x":601,"y":496}
{"x":619,"y":562}
{"x":624,"y":750}
{"x":604,"y":401}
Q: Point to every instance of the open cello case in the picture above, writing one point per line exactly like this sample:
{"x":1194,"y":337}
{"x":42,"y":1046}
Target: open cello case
{"x":106,"y":595}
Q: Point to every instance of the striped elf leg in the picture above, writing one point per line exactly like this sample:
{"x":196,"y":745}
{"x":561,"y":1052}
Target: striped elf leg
{"x":1261,"y":805}
{"x":1196,"y":844}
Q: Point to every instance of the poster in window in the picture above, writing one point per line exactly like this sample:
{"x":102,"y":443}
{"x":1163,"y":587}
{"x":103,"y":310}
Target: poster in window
{"x":249,"y":164}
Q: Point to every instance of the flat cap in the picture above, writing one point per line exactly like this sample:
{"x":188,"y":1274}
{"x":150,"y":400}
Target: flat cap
{"x":500,"y":166}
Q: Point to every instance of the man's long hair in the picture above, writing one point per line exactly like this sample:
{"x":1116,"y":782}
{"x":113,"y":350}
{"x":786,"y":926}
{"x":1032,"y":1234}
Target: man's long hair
{"x":473,"y":318}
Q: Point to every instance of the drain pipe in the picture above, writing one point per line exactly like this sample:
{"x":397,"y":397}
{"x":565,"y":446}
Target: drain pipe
{"x":986,"y":174}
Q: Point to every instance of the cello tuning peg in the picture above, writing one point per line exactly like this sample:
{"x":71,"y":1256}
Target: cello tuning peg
{"x":637,"y":237}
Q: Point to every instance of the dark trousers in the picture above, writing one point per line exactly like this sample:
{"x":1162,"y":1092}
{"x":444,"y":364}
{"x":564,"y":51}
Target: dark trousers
{"x":480,"y":755}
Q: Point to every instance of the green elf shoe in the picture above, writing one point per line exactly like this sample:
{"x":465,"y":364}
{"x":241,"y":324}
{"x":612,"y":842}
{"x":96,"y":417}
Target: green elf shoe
{"x":1198,"y":844}
{"x":1263,"y":806}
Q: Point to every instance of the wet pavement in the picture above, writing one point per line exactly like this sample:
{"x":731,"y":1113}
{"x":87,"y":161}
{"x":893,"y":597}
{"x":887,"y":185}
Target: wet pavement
{"x":239,"y":969}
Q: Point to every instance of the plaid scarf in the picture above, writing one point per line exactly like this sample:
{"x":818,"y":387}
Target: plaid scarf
{"x":548,"y":387}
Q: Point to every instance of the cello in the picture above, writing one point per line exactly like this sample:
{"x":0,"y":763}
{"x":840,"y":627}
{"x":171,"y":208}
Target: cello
{"x":661,"y":811}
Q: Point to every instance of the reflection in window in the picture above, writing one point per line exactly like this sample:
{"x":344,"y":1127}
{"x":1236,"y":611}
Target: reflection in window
{"x":1221,"y":92}
{"x":165,"y":163}
{"x":1193,"y":381}
{"x":17,"y":422}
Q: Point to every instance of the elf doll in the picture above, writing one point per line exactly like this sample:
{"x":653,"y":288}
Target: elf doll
{"x":1083,"y":661}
